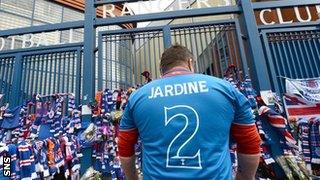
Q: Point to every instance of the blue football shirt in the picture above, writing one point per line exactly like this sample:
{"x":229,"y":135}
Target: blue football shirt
{"x":184,"y":123}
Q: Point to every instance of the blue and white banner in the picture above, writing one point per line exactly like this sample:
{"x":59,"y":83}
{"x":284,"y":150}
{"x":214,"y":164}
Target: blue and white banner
{"x":308,"y":89}
{"x":299,"y":107}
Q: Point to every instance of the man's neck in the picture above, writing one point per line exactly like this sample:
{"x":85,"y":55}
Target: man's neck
{"x":178,"y":70}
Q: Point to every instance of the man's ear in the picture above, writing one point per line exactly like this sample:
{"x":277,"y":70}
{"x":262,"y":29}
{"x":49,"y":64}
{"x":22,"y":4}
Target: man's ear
{"x":190,"y":65}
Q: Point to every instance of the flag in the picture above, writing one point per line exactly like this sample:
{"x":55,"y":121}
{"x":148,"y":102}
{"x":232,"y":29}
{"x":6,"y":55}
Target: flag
{"x":299,"y":107}
{"x":308,"y":89}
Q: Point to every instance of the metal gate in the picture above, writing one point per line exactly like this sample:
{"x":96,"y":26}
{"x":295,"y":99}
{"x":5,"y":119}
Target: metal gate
{"x":45,"y":70}
{"x":292,"y":53}
{"x":125,"y":54}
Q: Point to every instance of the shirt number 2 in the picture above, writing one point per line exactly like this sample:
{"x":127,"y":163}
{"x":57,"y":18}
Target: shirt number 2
{"x":174,"y":157}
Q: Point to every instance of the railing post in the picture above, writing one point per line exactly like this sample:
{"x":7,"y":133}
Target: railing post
{"x":166,"y":37}
{"x":78,"y":77}
{"x":88,"y":83}
{"x":88,"y":53}
{"x":15,"y":93}
{"x":100,"y":61}
{"x":260,"y":77}
{"x":243,"y":57}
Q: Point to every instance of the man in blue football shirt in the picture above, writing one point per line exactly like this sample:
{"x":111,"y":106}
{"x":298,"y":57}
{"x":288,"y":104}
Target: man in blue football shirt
{"x":185,"y":121}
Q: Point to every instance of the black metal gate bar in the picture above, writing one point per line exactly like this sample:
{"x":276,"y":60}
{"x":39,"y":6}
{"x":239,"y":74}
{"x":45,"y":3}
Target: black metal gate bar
{"x":46,"y":59}
{"x":9,"y":74}
{"x":6,"y":72}
{"x":196,"y":49}
{"x":25,"y":71}
{"x":78,"y":76}
{"x":293,"y":54}
{"x":315,"y":47}
{"x":155,"y":56}
{"x":139,"y":58}
{"x":28,"y":71}
{"x":134,"y":58}
{"x":192,"y":46}
{"x":144,"y":44}
{"x":72,"y":71}
{"x":208,"y":58}
{"x":213,"y":56}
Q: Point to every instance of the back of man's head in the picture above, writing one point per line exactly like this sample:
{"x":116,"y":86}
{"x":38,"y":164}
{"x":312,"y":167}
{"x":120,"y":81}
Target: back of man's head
{"x":174,"y":56}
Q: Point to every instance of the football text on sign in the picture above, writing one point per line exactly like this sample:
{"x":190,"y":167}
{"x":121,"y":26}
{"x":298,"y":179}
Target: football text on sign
{"x":35,"y":40}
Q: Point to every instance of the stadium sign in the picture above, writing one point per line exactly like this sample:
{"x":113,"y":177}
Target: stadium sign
{"x":110,"y":10}
{"x":288,"y":15}
{"x":35,"y":40}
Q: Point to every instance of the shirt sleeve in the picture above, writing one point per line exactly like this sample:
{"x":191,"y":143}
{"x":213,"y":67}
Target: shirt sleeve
{"x":127,"y":121}
{"x":243,"y":113}
{"x":247,"y":138}
{"x":128,"y":134}
{"x":243,"y":128}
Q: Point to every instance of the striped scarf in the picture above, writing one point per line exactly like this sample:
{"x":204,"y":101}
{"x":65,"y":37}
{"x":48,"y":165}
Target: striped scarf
{"x":280,"y":124}
{"x":12,"y":152}
{"x":315,"y":140}
{"x":247,"y":90}
{"x":41,"y":160}
{"x":71,"y":103}
{"x":303,"y":131}
{"x":26,"y":161}
{"x":107,"y":103}
{"x":57,"y":127}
